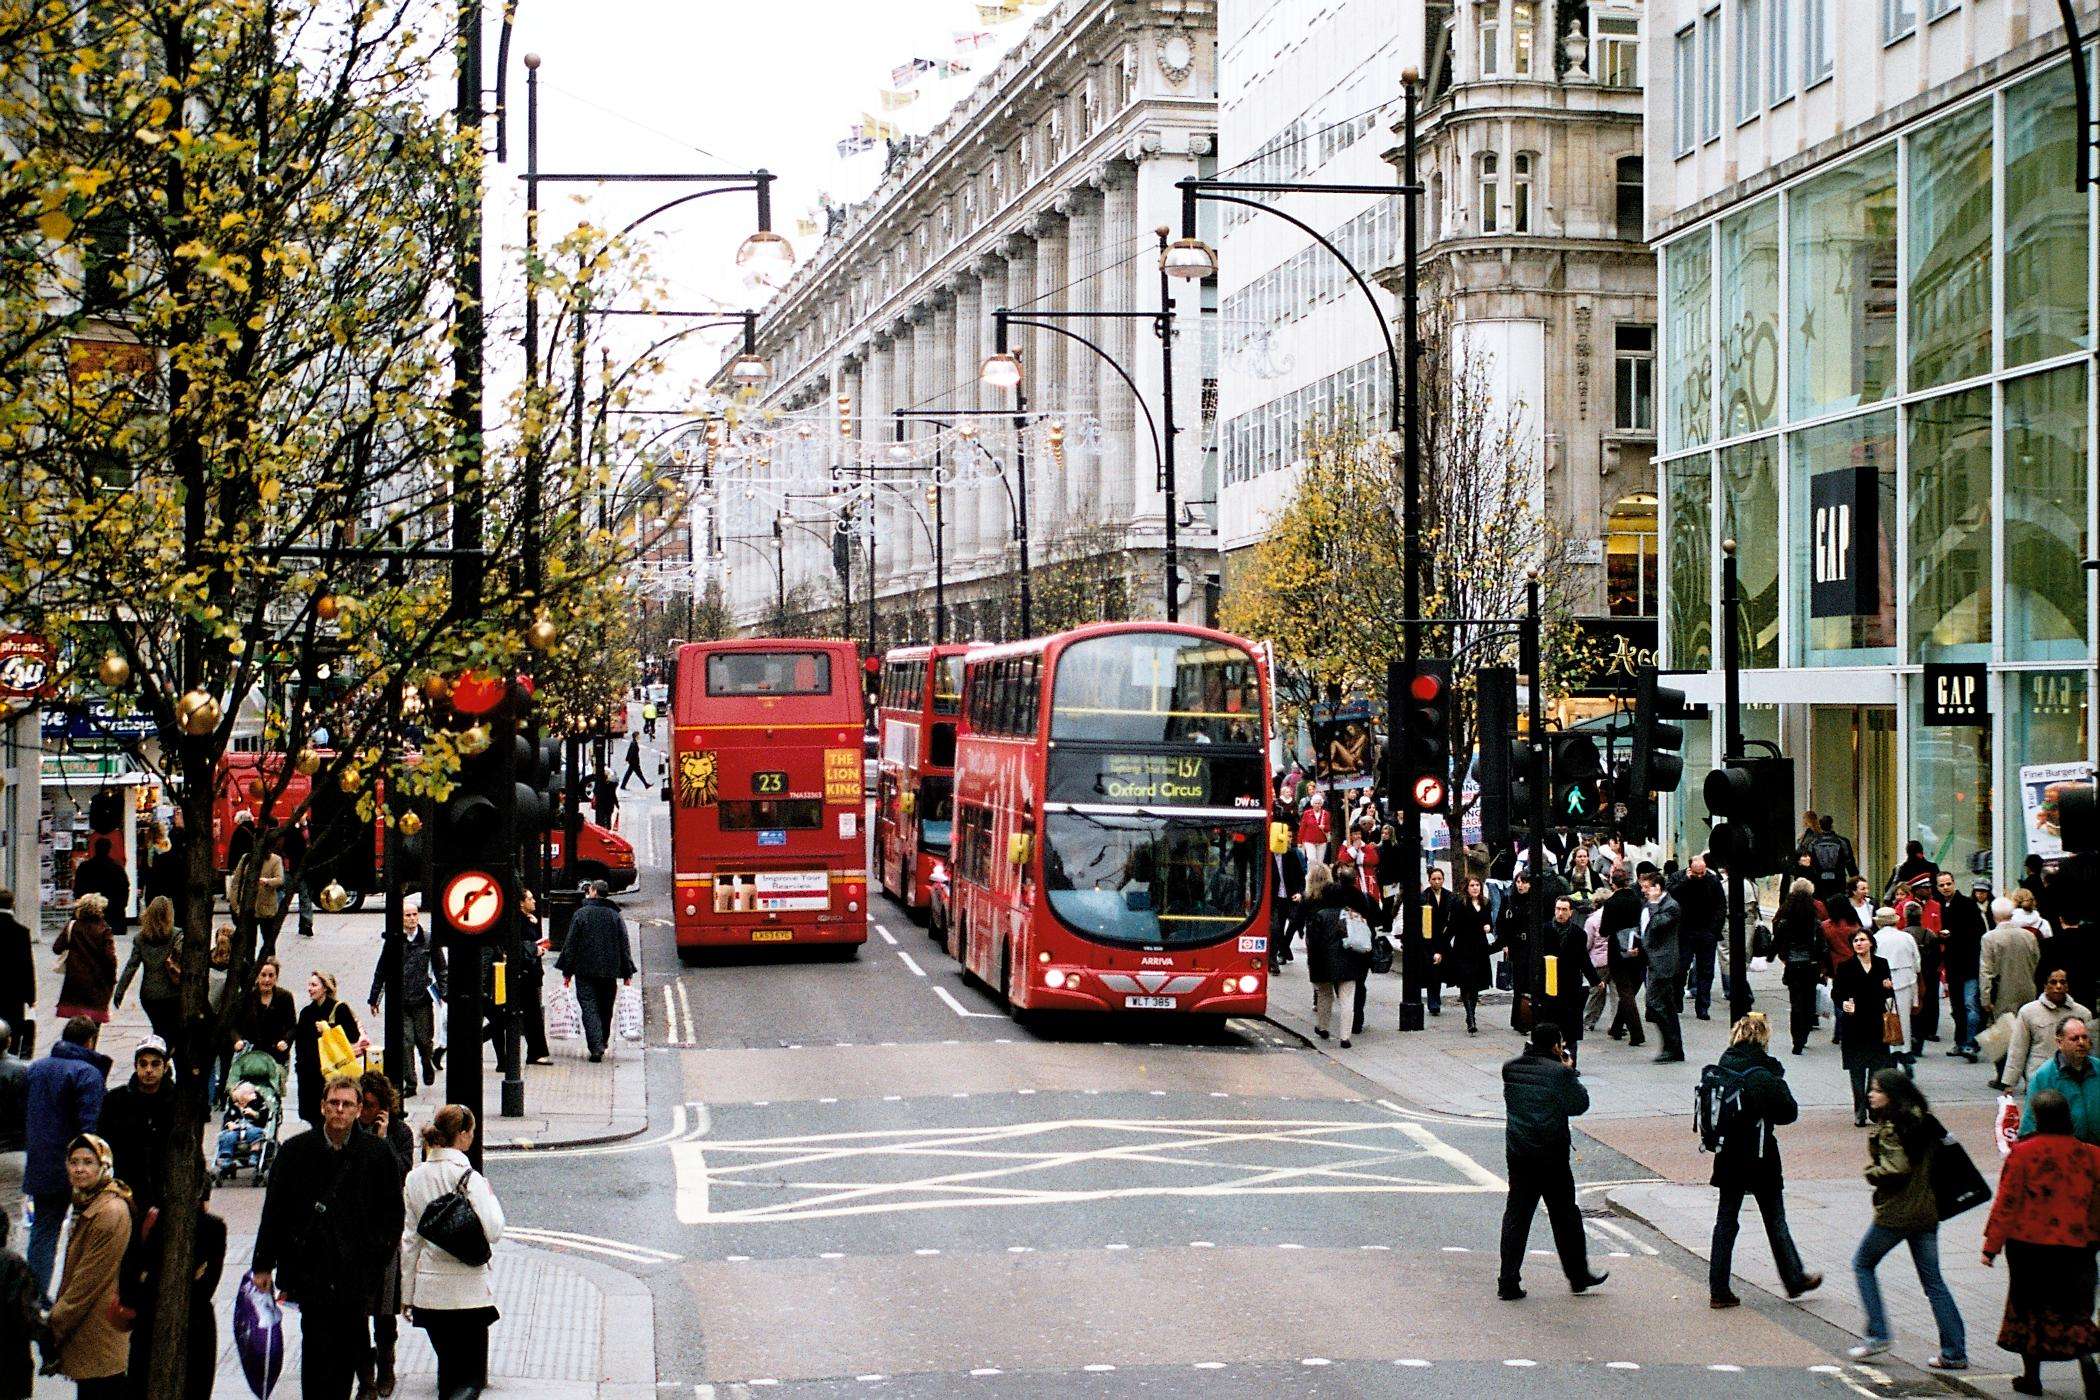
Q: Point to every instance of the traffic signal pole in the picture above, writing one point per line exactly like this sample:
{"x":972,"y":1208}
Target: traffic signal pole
{"x":1528,"y":657}
{"x":1732,"y":729}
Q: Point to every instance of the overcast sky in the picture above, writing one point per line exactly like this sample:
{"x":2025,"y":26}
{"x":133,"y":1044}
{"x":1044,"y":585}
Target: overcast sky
{"x":714,"y":85}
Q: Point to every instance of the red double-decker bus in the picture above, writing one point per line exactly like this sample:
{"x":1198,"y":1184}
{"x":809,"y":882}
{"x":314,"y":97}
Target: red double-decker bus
{"x":1111,"y":822}
{"x":766,"y":795}
{"x":918,"y":717}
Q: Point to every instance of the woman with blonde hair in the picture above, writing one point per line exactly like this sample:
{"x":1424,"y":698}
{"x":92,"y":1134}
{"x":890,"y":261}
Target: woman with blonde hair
{"x":442,"y":1292}
{"x":1744,"y":1099}
{"x":153,"y":952}
{"x":323,"y":1008}
{"x":87,"y":951}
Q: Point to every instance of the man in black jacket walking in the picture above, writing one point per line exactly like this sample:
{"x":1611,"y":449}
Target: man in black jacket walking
{"x":330,"y":1224}
{"x":1660,"y":920}
{"x":593,"y":957}
{"x":135,"y":1121}
{"x":1754,"y":1101}
{"x":1620,"y":923}
{"x":1542,"y":1092}
{"x":1703,"y":904}
{"x":1961,"y":944}
{"x":1290,"y":904}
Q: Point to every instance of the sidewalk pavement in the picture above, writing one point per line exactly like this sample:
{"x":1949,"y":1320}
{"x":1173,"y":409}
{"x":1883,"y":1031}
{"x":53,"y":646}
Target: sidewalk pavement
{"x":1642,"y":1110}
{"x":570,"y":1102}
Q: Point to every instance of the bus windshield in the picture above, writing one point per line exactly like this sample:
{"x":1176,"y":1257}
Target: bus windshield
{"x":1153,"y":881}
{"x":936,"y":811}
{"x":947,"y":685}
{"x":1156,"y":688}
{"x":768,"y":673}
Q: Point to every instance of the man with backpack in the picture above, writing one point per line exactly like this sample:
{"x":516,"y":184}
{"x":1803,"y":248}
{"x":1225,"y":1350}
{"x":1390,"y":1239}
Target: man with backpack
{"x":1740,"y":1102}
{"x":1830,"y":858}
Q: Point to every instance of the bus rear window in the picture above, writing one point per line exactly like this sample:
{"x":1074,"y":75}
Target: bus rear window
{"x":770,"y":814}
{"x":769,"y":673}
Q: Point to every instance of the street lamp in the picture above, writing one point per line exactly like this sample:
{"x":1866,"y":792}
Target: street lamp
{"x":1002,"y":371}
{"x":749,"y":371}
{"x":1190,"y":259}
{"x":765,"y":257}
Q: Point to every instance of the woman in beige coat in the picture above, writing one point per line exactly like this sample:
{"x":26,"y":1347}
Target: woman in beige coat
{"x":92,"y":1351}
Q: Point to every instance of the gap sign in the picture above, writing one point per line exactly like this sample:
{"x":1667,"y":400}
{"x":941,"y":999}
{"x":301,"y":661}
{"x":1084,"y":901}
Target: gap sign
{"x":1844,"y":543}
{"x":1957,"y":694}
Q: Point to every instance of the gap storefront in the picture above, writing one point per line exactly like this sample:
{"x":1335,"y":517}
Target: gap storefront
{"x":1878,"y":380}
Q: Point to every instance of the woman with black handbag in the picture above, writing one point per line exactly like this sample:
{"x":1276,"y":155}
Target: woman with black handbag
{"x":455,"y":1220}
{"x":1907,"y":1211}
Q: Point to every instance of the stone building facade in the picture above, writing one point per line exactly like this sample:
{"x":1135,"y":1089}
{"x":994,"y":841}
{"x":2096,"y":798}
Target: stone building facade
{"x":1529,"y":140}
{"x":1044,"y":187}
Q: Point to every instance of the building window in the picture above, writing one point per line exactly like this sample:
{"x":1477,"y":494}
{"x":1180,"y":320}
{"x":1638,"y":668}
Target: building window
{"x":1520,"y":30}
{"x":1818,"y":42}
{"x":1779,"y":74}
{"x":1750,"y":319}
{"x":1841,"y":319}
{"x":1633,"y":377}
{"x":1710,"y":75}
{"x":1633,"y":199}
{"x":1686,"y":77}
{"x":2045,"y":533}
{"x":2045,"y":225}
{"x":1749,"y":504}
{"x":1688,"y":619}
{"x":1748,"y":96}
{"x":1630,"y":556}
{"x":1688,"y":284}
{"x":1436,"y":207}
{"x":1486,"y":189}
{"x":1520,"y":191}
{"x":1939,"y":9}
{"x":1618,"y":61}
{"x":1842,"y":479}
{"x":1898,"y":18}
{"x":1950,"y":527}
{"x":1949,"y":254}
{"x":1487,"y":37}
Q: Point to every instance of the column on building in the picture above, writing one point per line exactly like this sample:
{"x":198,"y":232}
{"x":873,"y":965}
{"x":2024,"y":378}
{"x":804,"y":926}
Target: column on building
{"x":874,"y":432}
{"x":1120,"y":418}
{"x":1083,"y":261}
{"x":994,"y":517}
{"x":1022,"y":467}
{"x":1050,"y":373}
{"x":966,"y":537}
{"x":903,"y":543}
{"x":845,"y":381}
{"x":934,"y":355}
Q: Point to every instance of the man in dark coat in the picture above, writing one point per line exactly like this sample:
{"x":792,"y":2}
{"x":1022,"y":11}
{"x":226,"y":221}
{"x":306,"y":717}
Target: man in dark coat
{"x":594,"y":957}
{"x":1620,"y":924}
{"x":101,"y":874}
{"x":1290,"y":904}
{"x":1439,"y":908}
{"x":17,"y":977}
{"x":1703,"y":904}
{"x":330,"y":1225}
{"x":1660,"y":921}
{"x":63,"y":1100}
{"x":1564,"y":991}
{"x":1961,"y":954}
{"x":135,"y":1121}
{"x":421,"y":963}
{"x":1753,"y":1086}
{"x":1541,"y":1092}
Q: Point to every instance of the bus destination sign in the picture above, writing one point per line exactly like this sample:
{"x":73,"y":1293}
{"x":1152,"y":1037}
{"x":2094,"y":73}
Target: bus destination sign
{"x":1185,"y":779}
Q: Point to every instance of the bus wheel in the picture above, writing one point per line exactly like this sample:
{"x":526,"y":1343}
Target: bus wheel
{"x":357,"y":902}
{"x":1006,"y":977}
{"x":846,"y":952}
{"x":691,"y":957}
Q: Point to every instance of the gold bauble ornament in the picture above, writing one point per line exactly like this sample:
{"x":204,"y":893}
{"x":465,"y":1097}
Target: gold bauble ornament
{"x":327,"y":607}
{"x":307,"y":762}
{"x":334,"y":898}
{"x":409,"y":824}
{"x":114,"y":671}
{"x":542,"y":635}
{"x":197,"y":712}
{"x":350,"y":780}
{"x":474,"y":742}
{"x":435,"y":687}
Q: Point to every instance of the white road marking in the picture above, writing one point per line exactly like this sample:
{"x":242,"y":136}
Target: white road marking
{"x":689,"y":1168}
{"x":613,"y":1149}
{"x":685,"y":1011}
{"x":959,"y":1009}
{"x":1458,"y":1119}
{"x":1621,"y":1232}
{"x":916,"y":970}
{"x":887,"y":936}
{"x":1622,"y":1365}
{"x":1414,"y":1361}
{"x":590,"y":1244}
{"x":1724,"y":1367}
{"x":1210,"y":1365}
{"x":986,"y":1371}
{"x":1314,"y":1361}
{"x":1519,"y":1361}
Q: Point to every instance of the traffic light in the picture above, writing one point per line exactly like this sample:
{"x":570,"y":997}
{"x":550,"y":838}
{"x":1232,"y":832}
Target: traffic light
{"x":1578,"y":781}
{"x":1751,"y":802}
{"x":472,"y":854}
{"x":1495,"y":722}
{"x":1421,"y":701}
{"x":1658,"y":759}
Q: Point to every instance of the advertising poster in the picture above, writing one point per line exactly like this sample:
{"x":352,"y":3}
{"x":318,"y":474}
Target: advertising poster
{"x":2039,"y":784}
{"x":1345,"y":748}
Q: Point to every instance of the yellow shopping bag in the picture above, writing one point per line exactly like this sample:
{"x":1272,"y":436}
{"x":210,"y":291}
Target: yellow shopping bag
{"x":338,"y":1056}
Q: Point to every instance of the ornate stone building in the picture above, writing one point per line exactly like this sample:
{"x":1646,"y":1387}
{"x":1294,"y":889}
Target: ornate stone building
{"x":1529,"y":141}
{"x":1044,"y":188}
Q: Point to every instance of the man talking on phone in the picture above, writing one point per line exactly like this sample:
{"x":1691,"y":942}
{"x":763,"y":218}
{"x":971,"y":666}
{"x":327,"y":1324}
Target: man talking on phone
{"x":1542,"y":1092}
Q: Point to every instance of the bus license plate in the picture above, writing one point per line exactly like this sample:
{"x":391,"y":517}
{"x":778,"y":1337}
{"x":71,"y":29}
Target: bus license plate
{"x":1149,"y":1003}
{"x":771,"y":935}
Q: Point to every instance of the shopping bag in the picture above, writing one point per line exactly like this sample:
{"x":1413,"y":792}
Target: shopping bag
{"x":258,"y":1336}
{"x":564,"y":1016}
{"x":627,"y":1014}
{"x":1356,"y":935}
{"x":2006,"y":1125}
{"x":1824,"y":1006}
{"x":1956,"y":1184}
{"x":338,"y":1056}
{"x":1996,"y":1038}
{"x":439,"y":1037}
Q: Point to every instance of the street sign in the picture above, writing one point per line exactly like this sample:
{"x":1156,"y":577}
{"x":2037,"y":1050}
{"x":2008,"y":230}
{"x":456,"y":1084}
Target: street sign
{"x":473,"y":901}
{"x":25,"y":666}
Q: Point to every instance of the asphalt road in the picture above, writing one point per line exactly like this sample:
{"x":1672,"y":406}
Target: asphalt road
{"x":862,"y":1178}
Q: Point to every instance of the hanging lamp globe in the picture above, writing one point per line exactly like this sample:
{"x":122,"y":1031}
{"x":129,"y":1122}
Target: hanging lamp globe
{"x":1002,"y":371}
{"x":749,"y":371}
{"x":765,"y":257}
{"x":307,"y":762}
{"x":328,"y":607}
{"x":1190,"y":259}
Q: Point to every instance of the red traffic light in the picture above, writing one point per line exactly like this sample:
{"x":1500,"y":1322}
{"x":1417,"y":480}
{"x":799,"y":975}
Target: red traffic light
{"x":871,"y":664}
{"x":1426,"y":687}
{"x":478,"y":692}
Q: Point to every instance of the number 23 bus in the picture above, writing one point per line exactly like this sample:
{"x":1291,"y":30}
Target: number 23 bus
{"x":1111,"y":822}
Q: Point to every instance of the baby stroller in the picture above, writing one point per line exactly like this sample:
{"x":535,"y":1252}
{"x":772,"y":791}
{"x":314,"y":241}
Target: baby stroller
{"x":254,"y":1112}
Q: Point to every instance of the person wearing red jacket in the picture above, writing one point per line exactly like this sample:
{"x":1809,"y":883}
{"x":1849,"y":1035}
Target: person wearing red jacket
{"x":1313,"y":827}
{"x":2043,"y":1222}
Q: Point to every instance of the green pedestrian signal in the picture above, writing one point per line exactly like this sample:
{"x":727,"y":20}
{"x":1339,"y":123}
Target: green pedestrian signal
{"x":1578,"y":801}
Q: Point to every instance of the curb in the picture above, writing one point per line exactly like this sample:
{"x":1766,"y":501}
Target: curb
{"x":528,"y":1145}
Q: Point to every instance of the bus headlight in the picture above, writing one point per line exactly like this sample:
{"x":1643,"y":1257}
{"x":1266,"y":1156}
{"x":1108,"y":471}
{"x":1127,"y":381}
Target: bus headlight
{"x":1054,"y":978}
{"x":1250,"y":984}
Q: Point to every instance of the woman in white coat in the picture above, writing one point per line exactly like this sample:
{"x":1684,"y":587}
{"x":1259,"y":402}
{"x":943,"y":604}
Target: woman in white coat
{"x":449,"y":1299}
{"x":1900,"y":950}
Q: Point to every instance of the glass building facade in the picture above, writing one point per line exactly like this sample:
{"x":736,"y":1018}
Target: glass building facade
{"x":1878,"y":380}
